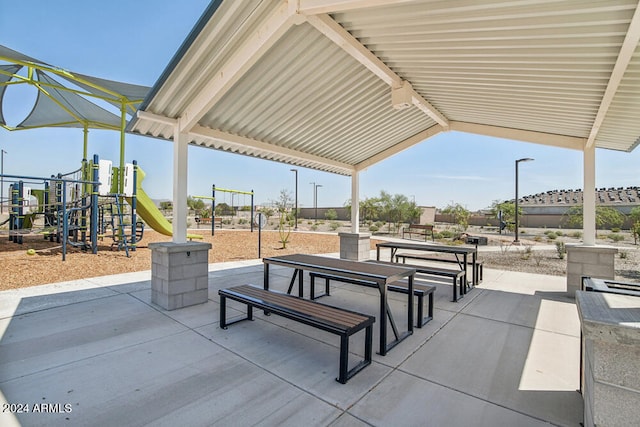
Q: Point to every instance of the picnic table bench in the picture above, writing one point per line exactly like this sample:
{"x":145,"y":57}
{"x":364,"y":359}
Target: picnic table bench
{"x":457,"y":276}
{"x":335,"y":320}
{"x":478,"y":271}
{"x":419,"y":290}
{"x":420,"y":230}
{"x":217,"y":221}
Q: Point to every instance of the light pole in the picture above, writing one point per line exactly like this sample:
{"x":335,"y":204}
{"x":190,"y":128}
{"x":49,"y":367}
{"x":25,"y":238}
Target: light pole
{"x":315,"y":198}
{"x":526,"y":159}
{"x":296,"y":211}
{"x":2,"y":153}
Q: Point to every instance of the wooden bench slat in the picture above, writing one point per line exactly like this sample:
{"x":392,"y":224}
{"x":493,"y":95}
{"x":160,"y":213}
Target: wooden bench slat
{"x":419,"y":290}
{"x":331,"y":319}
{"x":457,"y":276}
{"x":427,"y":257}
{"x":419,"y":229}
{"x":335,"y":316}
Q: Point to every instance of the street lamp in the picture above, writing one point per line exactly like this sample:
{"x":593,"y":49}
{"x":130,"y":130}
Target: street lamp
{"x":2,"y":153}
{"x":315,"y":197}
{"x":526,"y":159}
{"x":296,"y":211}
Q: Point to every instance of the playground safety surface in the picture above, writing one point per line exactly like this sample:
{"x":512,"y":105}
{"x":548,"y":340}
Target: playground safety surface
{"x":19,"y":269}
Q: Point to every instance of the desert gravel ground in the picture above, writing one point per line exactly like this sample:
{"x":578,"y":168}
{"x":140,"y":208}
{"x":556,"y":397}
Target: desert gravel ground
{"x":18,"y":269}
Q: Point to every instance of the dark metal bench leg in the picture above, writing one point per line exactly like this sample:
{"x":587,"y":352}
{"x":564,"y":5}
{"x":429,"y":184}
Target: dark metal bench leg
{"x":344,"y":359}
{"x":420,"y":311}
{"x":223,"y":312}
{"x":368,"y":344}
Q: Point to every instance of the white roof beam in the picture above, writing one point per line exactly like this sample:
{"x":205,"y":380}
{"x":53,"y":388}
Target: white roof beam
{"x":242,"y":143}
{"x":155,"y":118}
{"x":314,"y":7}
{"x":624,"y":57}
{"x":260,"y":40}
{"x":404,"y":145}
{"x":550,"y":139}
{"x":337,"y":34}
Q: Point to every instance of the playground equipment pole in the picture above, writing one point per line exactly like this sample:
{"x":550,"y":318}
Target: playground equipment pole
{"x":213,"y":209}
{"x":2,"y":153}
{"x":134,"y":205}
{"x":296,"y":211}
{"x":93,"y":233}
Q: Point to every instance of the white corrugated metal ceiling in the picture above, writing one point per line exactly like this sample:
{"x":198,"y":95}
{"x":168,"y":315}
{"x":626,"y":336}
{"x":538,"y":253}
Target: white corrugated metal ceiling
{"x":310,"y":82}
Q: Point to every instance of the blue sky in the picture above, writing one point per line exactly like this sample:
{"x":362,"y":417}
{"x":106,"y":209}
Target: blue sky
{"x":133,"y":41}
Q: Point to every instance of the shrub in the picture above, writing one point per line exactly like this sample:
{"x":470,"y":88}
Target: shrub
{"x":373,"y":228}
{"x":538,"y":238}
{"x":559,"y":233}
{"x":538,"y":256}
{"x":561,"y":249}
{"x":526,"y":253}
{"x":615,"y":229}
{"x":616,"y":237}
{"x":576,"y":234}
{"x":437,"y":236}
{"x":551,"y":235}
{"x":446,"y":234}
{"x":331,"y":215}
{"x":623,"y":254}
{"x":314,"y":227}
{"x":242,"y":221}
{"x":333,"y":226}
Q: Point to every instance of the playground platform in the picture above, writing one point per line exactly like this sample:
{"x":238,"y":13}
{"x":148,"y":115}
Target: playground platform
{"x":97,"y":352}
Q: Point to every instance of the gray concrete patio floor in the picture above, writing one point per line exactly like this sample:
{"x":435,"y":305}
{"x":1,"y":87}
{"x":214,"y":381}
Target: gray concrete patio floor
{"x":505,"y":355}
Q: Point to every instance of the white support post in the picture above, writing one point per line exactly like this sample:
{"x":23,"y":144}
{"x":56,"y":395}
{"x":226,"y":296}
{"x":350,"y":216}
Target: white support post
{"x":180,"y":153}
{"x":589,"y":197}
{"x":355,"y":202}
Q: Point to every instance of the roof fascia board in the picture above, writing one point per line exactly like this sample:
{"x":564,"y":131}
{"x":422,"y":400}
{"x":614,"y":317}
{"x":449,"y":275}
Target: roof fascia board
{"x":401,"y":146}
{"x":243,"y":143}
{"x":562,"y":141}
{"x":629,"y":46}
{"x":315,"y":7}
{"x":261,"y":39}
{"x":337,"y":34}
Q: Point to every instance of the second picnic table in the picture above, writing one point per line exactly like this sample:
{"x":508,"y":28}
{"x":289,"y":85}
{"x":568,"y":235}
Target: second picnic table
{"x":465,"y":251}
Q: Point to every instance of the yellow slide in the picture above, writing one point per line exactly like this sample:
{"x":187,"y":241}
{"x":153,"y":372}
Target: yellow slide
{"x":149,"y":212}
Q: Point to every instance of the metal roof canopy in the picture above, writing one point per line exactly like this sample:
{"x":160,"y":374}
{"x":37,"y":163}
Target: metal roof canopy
{"x":339,"y":85}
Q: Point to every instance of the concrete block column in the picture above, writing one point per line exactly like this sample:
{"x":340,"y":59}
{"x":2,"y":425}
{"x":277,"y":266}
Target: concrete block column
{"x":610,"y":358}
{"x":179,"y":274}
{"x":593,"y":261}
{"x":355,"y":246}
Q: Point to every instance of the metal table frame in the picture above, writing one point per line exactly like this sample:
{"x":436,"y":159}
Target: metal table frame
{"x":382,"y":275}
{"x":455,"y":250}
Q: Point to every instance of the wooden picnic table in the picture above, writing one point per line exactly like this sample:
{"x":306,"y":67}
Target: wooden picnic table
{"x":382,"y":275}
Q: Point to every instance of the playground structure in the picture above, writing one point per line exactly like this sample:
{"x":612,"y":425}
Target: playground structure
{"x":78,"y":208}
{"x":213,"y":204}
